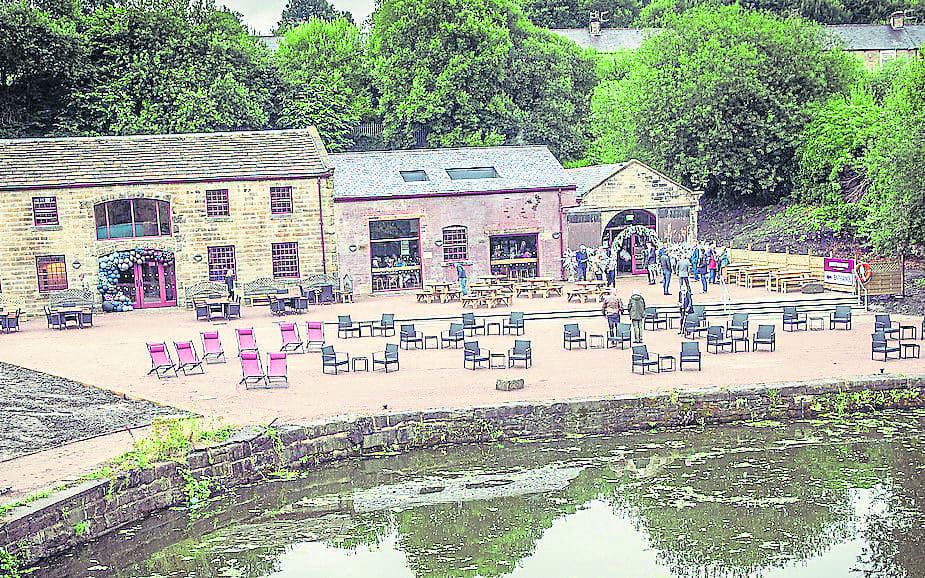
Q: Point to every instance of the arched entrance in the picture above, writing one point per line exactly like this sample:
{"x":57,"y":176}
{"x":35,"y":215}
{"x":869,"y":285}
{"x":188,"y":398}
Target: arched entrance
{"x":631,"y":247}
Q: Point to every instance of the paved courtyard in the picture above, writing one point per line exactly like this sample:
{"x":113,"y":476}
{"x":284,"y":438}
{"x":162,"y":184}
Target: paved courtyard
{"x":113,"y":356}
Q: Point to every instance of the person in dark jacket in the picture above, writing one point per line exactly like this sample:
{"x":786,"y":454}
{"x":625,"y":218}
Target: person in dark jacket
{"x":702,"y":265}
{"x":685,"y":306}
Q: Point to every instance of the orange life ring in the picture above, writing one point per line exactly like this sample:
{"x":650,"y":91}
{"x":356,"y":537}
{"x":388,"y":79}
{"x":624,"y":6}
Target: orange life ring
{"x":864,"y":272}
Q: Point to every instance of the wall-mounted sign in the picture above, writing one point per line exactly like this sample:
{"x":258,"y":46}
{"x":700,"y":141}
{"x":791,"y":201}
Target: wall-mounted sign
{"x":839,"y":271}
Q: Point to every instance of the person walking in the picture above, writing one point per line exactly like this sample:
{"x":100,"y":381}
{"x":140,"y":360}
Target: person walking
{"x":611,"y":310}
{"x":702,"y":268}
{"x":229,"y":282}
{"x":463,"y":279}
{"x":684,"y":272}
{"x":685,"y":306}
{"x":695,"y":260}
{"x":712,"y":265}
{"x":665,"y":261}
{"x":637,"y":311}
{"x":610,"y":267}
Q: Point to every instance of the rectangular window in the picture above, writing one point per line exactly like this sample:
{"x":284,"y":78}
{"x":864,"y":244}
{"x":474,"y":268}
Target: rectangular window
{"x":455,"y":244}
{"x":886,"y":57}
{"x":395,"y":254}
{"x":414,"y":176}
{"x":217,"y":203}
{"x":51,"y":273}
{"x":514,"y":256}
{"x":45,"y":211}
{"x":220,"y":260}
{"x":285,"y":260}
{"x":281,"y":200}
{"x":473,"y":173}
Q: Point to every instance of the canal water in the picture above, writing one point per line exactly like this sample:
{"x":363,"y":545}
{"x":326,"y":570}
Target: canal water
{"x":816,"y":499}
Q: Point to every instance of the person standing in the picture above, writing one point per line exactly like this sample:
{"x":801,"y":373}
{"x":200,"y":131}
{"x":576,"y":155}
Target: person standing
{"x":723,"y":261}
{"x":712,"y":265}
{"x":650,"y":264}
{"x":229,"y":282}
{"x":611,"y":309}
{"x":610,"y":268}
{"x":461,"y":276}
{"x":702,"y":268}
{"x":581,"y":257}
{"x":695,"y":260}
{"x":665,"y":262}
{"x":685,"y":306}
{"x":684,"y":272}
{"x":637,"y":311}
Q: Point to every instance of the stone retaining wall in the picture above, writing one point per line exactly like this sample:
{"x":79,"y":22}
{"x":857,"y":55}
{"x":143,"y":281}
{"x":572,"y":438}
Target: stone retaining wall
{"x":65,"y":519}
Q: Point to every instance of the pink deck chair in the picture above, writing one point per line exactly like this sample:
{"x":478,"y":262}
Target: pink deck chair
{"x":212,"y":350}
{"x":252,"y":370}
{"x":161,"y":364}
{"x":292,"y":342}
{"x":276,"y":370}
{"x":314,"y":336}
{"x":187,"y":358}
{"x":246,"y":340}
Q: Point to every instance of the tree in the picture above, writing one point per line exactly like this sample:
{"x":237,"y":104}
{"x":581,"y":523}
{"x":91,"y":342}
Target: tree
{"x":173,"y":67}
{"x":719,"y":99}
{"x":327,"y":83}
{"x":41,"y":62}
{"x":297,"y":12}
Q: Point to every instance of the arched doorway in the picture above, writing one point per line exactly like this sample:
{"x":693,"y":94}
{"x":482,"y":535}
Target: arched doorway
{"x":631,"y":246}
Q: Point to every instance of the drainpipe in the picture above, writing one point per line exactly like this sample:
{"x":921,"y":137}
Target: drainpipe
{"x":561,"y":232}
{"x":324,"y":257}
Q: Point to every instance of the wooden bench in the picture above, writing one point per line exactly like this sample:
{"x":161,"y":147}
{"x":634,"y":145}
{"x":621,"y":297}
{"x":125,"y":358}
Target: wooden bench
{"x":523,"y":290}
{"x":469,"y":301}
{"x":579,"y":293}
{"x":785,"y":285}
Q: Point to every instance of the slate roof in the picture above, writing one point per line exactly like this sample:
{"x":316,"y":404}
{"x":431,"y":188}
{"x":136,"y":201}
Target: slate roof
{"x":587,"y":178}
{"x":855,"y":37}
{"x":377,"y":173}
{"x":88,"y":161}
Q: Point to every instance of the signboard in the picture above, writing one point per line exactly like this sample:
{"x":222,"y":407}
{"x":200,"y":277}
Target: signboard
{"x":839,"y":271}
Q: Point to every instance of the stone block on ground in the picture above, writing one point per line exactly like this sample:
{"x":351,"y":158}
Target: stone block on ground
{"x":509,"y":384}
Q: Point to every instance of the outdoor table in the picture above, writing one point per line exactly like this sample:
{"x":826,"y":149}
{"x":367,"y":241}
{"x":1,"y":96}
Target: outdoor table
{"x":903,"y":329}
{"x":492,"y":278}
{"x":355,"y":360}
{"x":433,"y":339}
{"x":69,"y":314}
{"x":775,"y":277}
{"x":217,"y":305}
{"x":496,"y":325}
{"x":817,"y":323}
{"x":497,"y":361}
{"x":596,"y":341}
{"x":741,"y":339}
{"x":909,"y":350}
{"x":666,"y":363}
{"x":366,"y":325}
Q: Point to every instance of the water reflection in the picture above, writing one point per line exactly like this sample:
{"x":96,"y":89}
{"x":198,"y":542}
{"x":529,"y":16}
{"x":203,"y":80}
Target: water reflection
{"x":807,"y":499}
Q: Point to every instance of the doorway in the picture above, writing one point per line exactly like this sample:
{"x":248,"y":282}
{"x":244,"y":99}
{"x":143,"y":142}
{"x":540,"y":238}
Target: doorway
{"x":632,"y":250}
{"x":155,"y":284}
{"x":139,"y":278}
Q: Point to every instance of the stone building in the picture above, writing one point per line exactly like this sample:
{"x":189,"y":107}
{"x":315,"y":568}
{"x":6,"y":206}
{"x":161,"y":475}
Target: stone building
{"x":612,"y":198}
{"x":407,"y":217}
{"x":173,"y":210}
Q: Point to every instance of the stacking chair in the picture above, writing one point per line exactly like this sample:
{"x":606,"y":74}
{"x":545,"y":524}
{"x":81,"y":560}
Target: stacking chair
{"x":737,"y":327}
{"x":314,"y":335}
{"x":690,"y":353}
{"x":389,"y":357}
{"x":474,"y":355}
{"x":277,"y":371}
{"x":653,"y":319}
{"x":471,"y":324}
{"x":346,"y":327}
{"x":10,"y":322}
{"x":203,"y":311}
{"x":292,"y":341}
{"x":212,"y":350}
{"x":85,"y":318}
{"x":880,"y":344}
{"x":246,"y":340}
{"x":300,"y":304}
{"x":621,"y":336}
{"x":386,"y":325}
{"x":187,"y":358}
{"x":793,"y":319}
{"x":54,"y":319}
{"x":692,"y":326}
{"x":717,"y":339}
{"x":252,"y":374}
{"x":522,"y":352}
{"x":642,"y":360}
{"x":514,"y":324}
{"x":841,"y":316}
{"x":233,"y":309}
{"x":889,"y":327}
{"x":571,"y":335}
{"x":330,"y":358}
{"x":408,"y":335}
{"x":161,"y":364}
{"x":455,"y":335}
{"x":277,"y":307}
{"x":764,"y":336}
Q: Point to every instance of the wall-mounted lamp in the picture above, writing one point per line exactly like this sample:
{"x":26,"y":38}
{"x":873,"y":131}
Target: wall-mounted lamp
{"x":353,"y":248}
{"x":556,"y":235}
{"x":438,"y":243}
{"x":197,"y":258}
{"x":76,"y":264}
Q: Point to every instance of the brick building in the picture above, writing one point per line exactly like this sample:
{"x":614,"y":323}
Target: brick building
{"x":407,"y":217}
{"x":611,"y":198}
{"x":186,"y":207}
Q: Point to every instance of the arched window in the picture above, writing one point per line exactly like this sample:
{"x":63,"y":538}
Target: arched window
{"x":455,"y":244}
{"x":126,"y":218}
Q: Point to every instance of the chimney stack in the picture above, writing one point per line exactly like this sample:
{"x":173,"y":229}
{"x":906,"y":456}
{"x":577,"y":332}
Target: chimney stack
{"x":595,"y":22}
{"x":898,"y":20}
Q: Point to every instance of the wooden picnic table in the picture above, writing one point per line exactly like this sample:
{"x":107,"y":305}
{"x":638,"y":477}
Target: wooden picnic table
{"x":733,"y":271}
{"x":753,"y":274}
{"x":775,"y":277}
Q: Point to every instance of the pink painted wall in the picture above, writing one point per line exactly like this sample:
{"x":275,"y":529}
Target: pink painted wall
{"x":482,"y":214}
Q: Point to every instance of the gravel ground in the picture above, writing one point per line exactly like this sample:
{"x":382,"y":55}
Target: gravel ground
{"x":40,"y":411}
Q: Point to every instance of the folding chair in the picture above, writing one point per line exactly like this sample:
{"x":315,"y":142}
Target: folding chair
{"x":292,"y":342}
{"x":212,"y":350}
{"x":277,"y":370}
{"x":314,"y":335}
{"x":251,"y":370}
{"x":161,"y":364}
{"x":187,"y":358}
{"x":246,"y":340}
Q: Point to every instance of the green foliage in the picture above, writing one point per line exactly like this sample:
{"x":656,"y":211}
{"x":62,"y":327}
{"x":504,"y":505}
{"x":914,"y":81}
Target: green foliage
{"x":719,"y":100}
{"x":10,"y":565}
{"x":658,"y":12}
{"x":298,"y":11}
{"x":82,"y":528}
{"x":197,"y":491}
